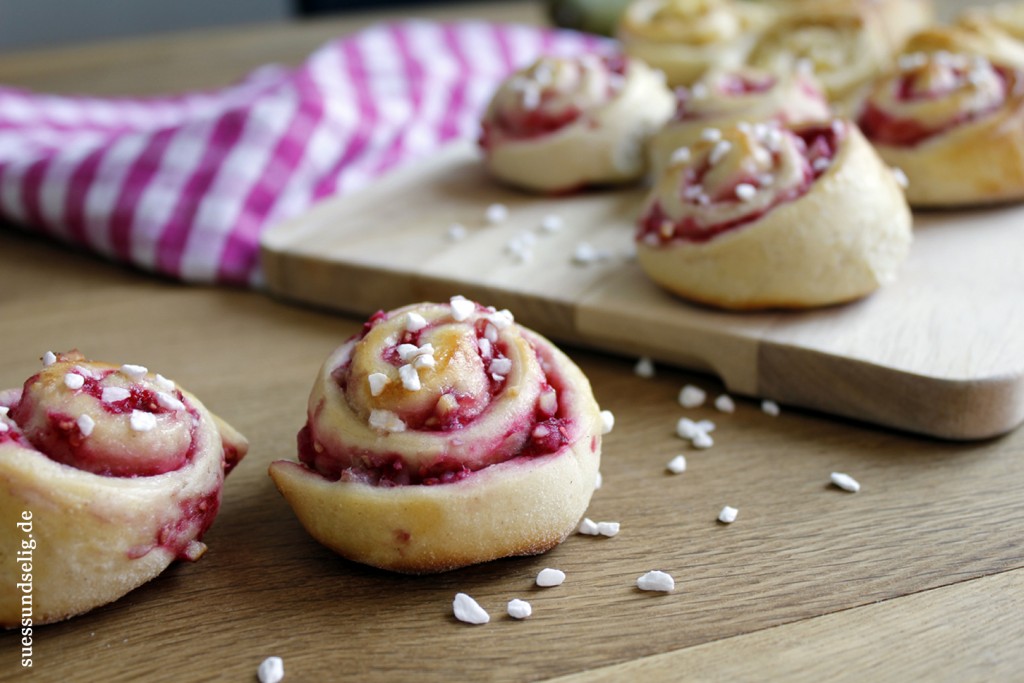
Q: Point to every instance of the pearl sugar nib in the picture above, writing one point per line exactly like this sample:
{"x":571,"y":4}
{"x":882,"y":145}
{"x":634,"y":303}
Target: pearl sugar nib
{"x":549,"y":577}
{"x":691,"y":396}
{"x":657,"y":581}
{"x":519,"y":609}
{"x":607,"y":421}
{"x":644,"y":368}
{"x":468,"y":610}
{"x":728,"y":515}
{"x":845,"y":482}
{"x":271,"y":670}
{"x":677,"y":465}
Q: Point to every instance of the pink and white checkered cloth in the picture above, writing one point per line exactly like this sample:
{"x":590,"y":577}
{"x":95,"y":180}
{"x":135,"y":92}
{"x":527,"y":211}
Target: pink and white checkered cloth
{"x":183,"y":185}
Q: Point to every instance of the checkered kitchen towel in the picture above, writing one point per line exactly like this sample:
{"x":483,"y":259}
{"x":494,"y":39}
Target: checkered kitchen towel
{"x":183,"y":185}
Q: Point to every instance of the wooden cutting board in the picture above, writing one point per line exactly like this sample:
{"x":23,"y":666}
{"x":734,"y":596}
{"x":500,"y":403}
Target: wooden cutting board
{"x":940,"y":352}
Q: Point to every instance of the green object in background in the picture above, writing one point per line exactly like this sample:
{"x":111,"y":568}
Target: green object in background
{"x":592,"y":16}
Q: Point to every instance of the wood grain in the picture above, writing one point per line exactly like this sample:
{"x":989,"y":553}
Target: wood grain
{"x":931,"y":514}
{"x":916,"y":577}
{"x":937,"y":352}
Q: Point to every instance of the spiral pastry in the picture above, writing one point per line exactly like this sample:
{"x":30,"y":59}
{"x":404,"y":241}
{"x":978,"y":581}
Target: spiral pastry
{"x":760,"y":216}
{"x":566,"y":123}
{"x":1006,"y":18}
{"x":724,"y":98}
{"x":844,"y":47}
{"x":114,"y":473}
{"x":954,"y":123}
{"x":896,"y":19}
{"x":685,"y":38}
{"x":441,"y":436}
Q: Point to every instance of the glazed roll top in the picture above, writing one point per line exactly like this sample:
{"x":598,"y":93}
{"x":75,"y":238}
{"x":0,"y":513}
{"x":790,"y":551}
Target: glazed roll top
{"x":431,"y":393}
{"x":932,"y":92}
{"x":733,"y":176}
{"x":115,"y":421}
{"x":550,"y":94}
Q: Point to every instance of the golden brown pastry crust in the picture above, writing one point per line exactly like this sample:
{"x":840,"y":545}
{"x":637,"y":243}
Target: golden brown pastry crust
{"x":437,"y":484}
{"x":685,"y":38}
{"x":788,"y":244}
{"x":960,"y":138}
{"x":565,"y":123}
{"x":96,"y":536}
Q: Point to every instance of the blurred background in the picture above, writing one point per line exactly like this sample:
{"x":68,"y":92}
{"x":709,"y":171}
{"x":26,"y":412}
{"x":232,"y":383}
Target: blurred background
{"x":26,"y":24}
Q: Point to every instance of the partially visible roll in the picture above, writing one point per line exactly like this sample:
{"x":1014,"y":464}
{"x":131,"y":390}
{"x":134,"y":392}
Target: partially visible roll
{"x":954,"y":123}
{"x":686,"y":38}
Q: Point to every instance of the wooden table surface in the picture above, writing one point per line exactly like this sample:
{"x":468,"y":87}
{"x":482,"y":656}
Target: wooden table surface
{"x":919,"y":576}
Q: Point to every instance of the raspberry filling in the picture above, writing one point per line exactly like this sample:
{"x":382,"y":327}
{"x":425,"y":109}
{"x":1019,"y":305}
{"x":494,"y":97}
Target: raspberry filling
{"x":728,"y":85}
{"x":520,"y":119}
{"x":547,"y":429}
{"x":889,"y":128}
{"x":817,"y":145}
{"x":58,"y":435}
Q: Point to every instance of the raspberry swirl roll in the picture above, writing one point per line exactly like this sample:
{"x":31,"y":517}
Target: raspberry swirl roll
{"x":1006,"y":18}
{"x":954,"y":123}
{"x":844,"y":47}
{"x":685,"y":38}
{"x":565,"y":123}
{"x":760,"y":216}
{"x":724,"y":98}
{"x":112,"y":473}
{"x":444,"y":435}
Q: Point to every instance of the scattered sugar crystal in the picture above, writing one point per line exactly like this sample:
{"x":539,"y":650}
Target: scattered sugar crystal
{"x":456,"y":232}
{"x":677,"y":465}
{"x":4,"y":427}
{"x":706,"y":426}
{"x":598,"y":481}
{"x":491,"y":333}
{"x":135,"y":372}
{"x":820,"y":164}
{"x":74,"y":381}
{"x":49,"y":358}
{"x":496,"y":213}
{"x":658,"y":581}
{"x":271,"y":670}
{"x":728,"y":515}
{"x":501,"y":319}
{"x":424,"y":361}
{"x":169,"y":401}
{"x":702,"y":440}
{"x":407,"y":351}
{"x":377,"y":381}
{"x":699,"y":92}
{"x":501,"y":366}
{"x":114,"y":394}
{"x":718,"y":152}
{"x":484,"y":345}
{"x":644,"y":368}
{"x":386,"y":421}
{"x":410,"y":378}
{"x":745,"y":191}
{"x":845,"y":482}
{"x":686,"y":428}
{"x":691,"y":396}
{"x":607,"y":421}
{"x":551,"y":223}
{"x":163,"y":384}
{"x":548,"y":402}
{"x":85,"y":424}
{"x":901,"y":177}
{"x":468,"y":610}
{"x":549,"y":577}
{"x":680,"y":156}
{"x":608,"y":529}
{"x":414,"y":322}
{"x":584,"y":253}
{"x":725,"y":404}
{"x":588,"y":527}
{"x":142,"y":421}
{"x":770,"y":408}
{"x":4,"y":410}
{"x":711,"y":135}
{"x":462,"y":308}
{"x":519,"y":609}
